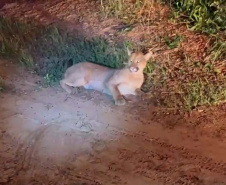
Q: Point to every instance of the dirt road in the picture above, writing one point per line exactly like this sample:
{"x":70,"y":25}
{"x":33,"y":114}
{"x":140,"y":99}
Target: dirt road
{"x":49,"y":138}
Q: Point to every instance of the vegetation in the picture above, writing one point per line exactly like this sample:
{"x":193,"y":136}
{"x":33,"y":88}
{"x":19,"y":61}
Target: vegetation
{"x":218,"y":50}
{"x":122,"y":9}
{"x":49,"y":51}
{"x":204,"y":93}
{"x":176,"y":81}
{"x":193,"y":84}
{"x":58,"y":50}
{"x":207,"y":16}
{"x":173,"y":42}
{"x":1,"y":84}
{"x":131,"y":12}
{"x":14,"y":39}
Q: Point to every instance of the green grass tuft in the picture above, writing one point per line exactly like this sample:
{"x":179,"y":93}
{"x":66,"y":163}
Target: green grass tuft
{"x":207,"y":16}
{"x":130,"y":12}
{"x":14,"y":36}
{"x":218,"y":51}
{"x":173,"y":42}
{"x":202,"y":92}
{"x":2,"y":85}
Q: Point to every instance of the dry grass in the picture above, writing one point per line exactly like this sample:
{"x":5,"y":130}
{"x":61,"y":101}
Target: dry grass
{"x":188,"y":72}
{"x":190,"y":69}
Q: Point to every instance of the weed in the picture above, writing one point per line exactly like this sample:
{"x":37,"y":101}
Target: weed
{"x":131,"y":12}
{"x":49,"y":79}
{"x":51,"y":51}
{"x":122,"y":9}
{"x":218,"y":51}
{"x":155,"y":75}
{"x":188,"y":85}
{"x":202,"y":92}
{"x":173,"y":42}
{"x":26,"y":59}
{"x":14,"y":36}
{"x":2,"y":85}
{"x":205,"y":16}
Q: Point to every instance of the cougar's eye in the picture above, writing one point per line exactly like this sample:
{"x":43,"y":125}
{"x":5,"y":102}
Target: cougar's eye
{"x":138,"y":61}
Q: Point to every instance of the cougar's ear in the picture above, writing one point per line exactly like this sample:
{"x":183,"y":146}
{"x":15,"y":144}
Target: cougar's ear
{"x":129,"y":51}
{"x":148,"y":55}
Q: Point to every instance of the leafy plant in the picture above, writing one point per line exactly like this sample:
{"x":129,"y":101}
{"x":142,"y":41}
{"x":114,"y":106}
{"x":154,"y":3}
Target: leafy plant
{"x":202,"y":92}
{"x":49,"y":50}
{"x":14,"y":36}
{"x":218,"y":51}
{"x":2,"y":85}
{"x":49,"y":79}
{"x":203,"y":15}
{"x":173,"y":42}
{"x":131,"y":12}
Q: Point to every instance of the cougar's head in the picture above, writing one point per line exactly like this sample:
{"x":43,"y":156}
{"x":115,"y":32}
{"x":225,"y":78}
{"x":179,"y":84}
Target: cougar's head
{"x":138,"y":61}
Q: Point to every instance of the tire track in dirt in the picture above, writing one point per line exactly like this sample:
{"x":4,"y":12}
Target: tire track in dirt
{"x":167,"y":160}
{"x":24,"y":152}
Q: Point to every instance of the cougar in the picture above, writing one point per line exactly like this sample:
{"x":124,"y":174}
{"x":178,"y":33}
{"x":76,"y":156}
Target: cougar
{"x":116,"y":82}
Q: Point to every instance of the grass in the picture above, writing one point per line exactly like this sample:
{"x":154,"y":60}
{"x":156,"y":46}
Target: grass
{"x":50,"y":51}
{"x":58,"y":50}
{"x":207,"y":17}
{"x":14,"y":36}
{"x":188,"y":85}
{"x":122,"y":9}
{"x":218,"y":50}
{"x":177,"y":81}
{"x":202,"y":92}
{"x":173,"y":42}
{"x":130,"y":12}
{"x":2,"y":85}
{"x":202,"y":15}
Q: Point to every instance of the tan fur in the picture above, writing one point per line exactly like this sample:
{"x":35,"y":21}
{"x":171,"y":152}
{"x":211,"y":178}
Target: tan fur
{"x":116,"y":82}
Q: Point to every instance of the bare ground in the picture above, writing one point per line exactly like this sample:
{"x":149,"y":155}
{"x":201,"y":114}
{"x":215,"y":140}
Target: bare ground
{"x":50,"y":138}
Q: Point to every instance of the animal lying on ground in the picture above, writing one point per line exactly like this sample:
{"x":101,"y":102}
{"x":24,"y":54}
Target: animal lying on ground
{"x":116,"y":82}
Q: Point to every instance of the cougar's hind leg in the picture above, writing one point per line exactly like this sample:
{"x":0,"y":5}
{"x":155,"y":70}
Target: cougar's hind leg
{"x":66,"y":87}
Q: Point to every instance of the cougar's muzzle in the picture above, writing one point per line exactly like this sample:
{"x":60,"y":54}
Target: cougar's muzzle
{"x":133,"y":69}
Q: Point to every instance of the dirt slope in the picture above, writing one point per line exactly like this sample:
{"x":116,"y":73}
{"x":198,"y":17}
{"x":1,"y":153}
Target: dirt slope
{"x":49,"y":138}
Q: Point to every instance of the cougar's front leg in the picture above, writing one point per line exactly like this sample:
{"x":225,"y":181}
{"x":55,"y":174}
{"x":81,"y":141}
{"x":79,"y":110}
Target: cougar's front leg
{"x":118,"y":98}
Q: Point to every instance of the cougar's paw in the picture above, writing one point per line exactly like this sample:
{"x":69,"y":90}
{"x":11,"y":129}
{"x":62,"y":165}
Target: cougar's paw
{"x":69,"y":91}
{"x":75,"y":90}
{"x":120,"y":101}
